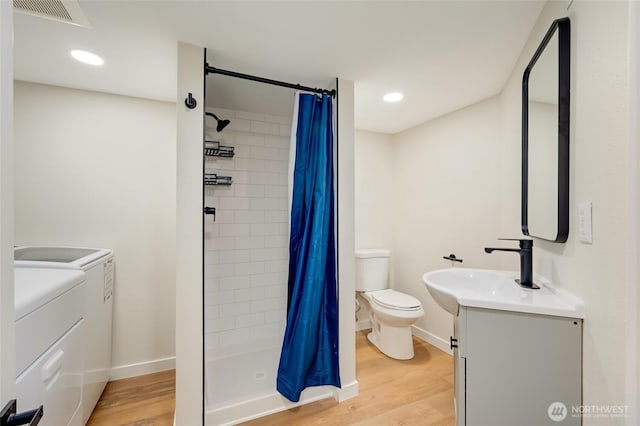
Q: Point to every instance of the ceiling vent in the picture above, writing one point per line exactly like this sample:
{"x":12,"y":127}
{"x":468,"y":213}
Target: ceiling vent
{"x":67,"y":11}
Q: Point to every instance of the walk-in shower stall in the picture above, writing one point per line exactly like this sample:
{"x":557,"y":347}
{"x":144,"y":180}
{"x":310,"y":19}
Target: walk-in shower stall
{"x":246,"y":246}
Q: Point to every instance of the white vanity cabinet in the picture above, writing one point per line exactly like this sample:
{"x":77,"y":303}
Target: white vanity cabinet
{"x":510,"y":367}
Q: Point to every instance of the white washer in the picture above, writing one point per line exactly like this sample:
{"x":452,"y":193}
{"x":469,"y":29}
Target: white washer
{"x":98,"y":304}
{"x":49,"y":350}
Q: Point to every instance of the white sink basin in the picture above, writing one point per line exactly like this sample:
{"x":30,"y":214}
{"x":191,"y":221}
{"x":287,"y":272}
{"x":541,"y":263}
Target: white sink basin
{"x":484,"y":288}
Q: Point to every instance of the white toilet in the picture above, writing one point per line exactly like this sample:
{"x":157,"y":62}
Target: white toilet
{"x":391,"y":312}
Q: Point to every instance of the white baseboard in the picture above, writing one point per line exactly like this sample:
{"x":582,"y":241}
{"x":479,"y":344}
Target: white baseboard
{"x":432,"y":339}
{"x":142,"y":368}
{"x":363,"y":325}
{"x":347,"y":391}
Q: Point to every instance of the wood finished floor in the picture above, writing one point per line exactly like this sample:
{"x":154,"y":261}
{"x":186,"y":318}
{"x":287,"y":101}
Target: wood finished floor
{"x":140,"y":401}
{"x":392,"y":392}
{"x":414,"y":392}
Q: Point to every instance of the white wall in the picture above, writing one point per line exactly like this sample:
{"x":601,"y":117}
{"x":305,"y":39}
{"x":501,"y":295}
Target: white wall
{"x":373,"y":170}
{"x":446,"y":199}
{"x":599,"y":173}
{"x":374,"y":189}
{"x":98,"y":170}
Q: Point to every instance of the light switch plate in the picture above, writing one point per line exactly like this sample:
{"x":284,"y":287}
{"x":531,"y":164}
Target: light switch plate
{"x":585,"y":234}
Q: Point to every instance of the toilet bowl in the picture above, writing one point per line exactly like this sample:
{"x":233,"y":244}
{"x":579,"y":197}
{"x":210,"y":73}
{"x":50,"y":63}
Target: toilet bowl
{"x":391,"y":312}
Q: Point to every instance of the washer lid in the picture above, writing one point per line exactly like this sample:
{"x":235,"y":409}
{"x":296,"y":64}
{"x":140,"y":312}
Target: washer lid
{"x":35,"y":287}
{"x":395,"y":300}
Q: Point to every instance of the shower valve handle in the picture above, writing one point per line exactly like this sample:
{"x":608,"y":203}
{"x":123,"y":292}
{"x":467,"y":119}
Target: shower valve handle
{"x":210,"y":210}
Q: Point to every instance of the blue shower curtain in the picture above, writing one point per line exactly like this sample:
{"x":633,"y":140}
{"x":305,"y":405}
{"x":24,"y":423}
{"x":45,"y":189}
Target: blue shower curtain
{"x":310,"y":349}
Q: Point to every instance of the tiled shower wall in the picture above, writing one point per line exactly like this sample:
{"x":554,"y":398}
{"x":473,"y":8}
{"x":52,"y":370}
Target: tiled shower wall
{"x":246,"y":248}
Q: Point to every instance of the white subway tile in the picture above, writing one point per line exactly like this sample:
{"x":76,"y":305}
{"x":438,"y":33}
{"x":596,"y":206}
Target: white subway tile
{"x":235,"y":256}
{"x":243,"y":190}
{"x":242,"y":151}
{"x":265,"y":305}
{"x":250,"y":320}
{"x":219,"y":324}
{"x":248,"y":294}
{"x":235,"y":309}
{"x":211,"y":284}
{"x":224,"y":191}
{"x":267,"y":330}
{"x":264,"y":153}
{"x":250,"y":116}
{"x":221,"y":113}
{"x":281,"y":265}
{"x":211,"y":257}
{"x":216,"y":298}
{"x":225,"y":167}
{"x":222,"y":243}
{"x":277,"y":141}
{"x":275,"y":291}
{"x":234,"y":337}
{"x":276,"y":241}
{"x":234,"y":203}
{"x":249,"y":216}
{"x":277,"y":119}
{"x":283,"y":179}
{"x":278,"y":316}
{"x":224,"y":216}
{"x":267,"y":279}
{"x":240,"y":177}
{"x":239,"y":125}
{"x":276,"y":191}
{"x":285,"y":130}
{"x":264,"y":229}
{"x":234,"y":282}
{"x":284,"y":228}
{"x":267,"y":254}
{"x":234,"y":230}
{"x":276,"y":216}
{"x":250,"y":242}
{"x":211,"y":311}
{"x":265,"y":128}
{"x":250,"y":164}
{"x":276,"y":166}
{"x":223,"y":270}
{"x":264,"y":178}
{"x":249,"y":139}
{"x":249,"y":268}
{"x":210,"y":340}
{"x":283,"y":155}
{"x":265,"y":203}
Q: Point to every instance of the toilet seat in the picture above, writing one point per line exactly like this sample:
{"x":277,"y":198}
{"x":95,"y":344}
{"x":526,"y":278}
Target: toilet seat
{"x":392,"y":299}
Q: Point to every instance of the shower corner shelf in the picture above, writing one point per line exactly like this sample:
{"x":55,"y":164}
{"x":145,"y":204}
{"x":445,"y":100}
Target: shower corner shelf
{"x":216,"y":149}
{"x":214,"y":179}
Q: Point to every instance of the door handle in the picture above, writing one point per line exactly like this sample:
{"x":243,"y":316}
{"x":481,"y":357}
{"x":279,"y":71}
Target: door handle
{"x":8,"y":416}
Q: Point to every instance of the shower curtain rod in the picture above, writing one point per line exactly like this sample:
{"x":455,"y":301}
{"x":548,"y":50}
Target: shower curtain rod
{"x":212,"y":70}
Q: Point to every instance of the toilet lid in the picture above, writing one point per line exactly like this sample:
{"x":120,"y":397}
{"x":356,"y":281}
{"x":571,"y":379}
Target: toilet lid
{"x":395,"y":300}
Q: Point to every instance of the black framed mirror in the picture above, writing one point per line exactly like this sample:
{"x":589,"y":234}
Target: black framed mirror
{"x":545,"y":137}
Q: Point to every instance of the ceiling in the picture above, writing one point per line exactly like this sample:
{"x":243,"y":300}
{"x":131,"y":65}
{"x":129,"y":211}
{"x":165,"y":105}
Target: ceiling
{"x":443,"y":55}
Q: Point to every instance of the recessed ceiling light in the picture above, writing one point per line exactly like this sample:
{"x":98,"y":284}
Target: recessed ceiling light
{"x":393,"y":97}
{"x":87,"y":57}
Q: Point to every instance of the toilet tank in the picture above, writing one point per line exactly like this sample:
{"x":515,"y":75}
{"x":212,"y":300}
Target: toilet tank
{"x":372,"y":269}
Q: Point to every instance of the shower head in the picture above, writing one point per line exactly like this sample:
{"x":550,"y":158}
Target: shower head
{"x":221,"y":123}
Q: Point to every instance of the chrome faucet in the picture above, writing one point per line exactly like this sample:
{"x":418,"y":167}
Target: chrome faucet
{"x":526,"y":260}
